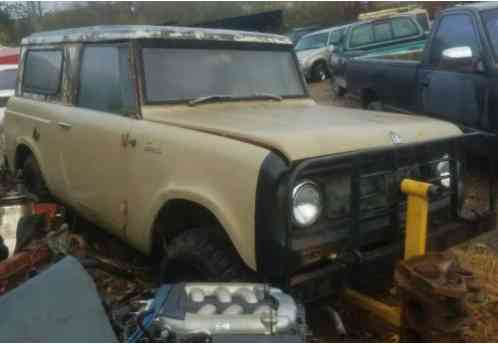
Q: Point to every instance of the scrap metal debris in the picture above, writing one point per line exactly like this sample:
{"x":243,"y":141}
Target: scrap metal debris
{"x":433,"y":291}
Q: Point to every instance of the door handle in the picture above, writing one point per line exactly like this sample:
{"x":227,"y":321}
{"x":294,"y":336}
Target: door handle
{"x":64,"y":125}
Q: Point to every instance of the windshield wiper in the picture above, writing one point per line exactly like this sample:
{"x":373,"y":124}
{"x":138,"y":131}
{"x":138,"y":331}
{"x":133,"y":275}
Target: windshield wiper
{"x":268,"y":96}
{"x":211,"y":98}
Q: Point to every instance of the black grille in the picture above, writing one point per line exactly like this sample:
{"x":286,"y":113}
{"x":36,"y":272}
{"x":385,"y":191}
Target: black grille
{"x":373,"y":210}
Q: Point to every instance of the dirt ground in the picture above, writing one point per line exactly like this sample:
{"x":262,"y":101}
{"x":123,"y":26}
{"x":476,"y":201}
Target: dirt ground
{"x":135,"y":277}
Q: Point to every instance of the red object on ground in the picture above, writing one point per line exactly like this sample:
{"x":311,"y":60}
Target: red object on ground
{"x":17,"y":268}
{"x":50,"y":209}
{"x":9,"y":55}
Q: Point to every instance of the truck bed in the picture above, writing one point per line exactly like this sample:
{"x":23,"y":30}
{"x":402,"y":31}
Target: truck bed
{"x":387,"y":77}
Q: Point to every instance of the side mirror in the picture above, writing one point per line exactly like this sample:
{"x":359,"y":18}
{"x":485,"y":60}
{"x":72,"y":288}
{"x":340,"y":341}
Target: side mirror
{"x":458,"y":57}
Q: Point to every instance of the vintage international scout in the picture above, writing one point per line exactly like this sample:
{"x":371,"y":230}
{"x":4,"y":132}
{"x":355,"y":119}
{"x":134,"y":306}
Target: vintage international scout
{"x":204,"y":149}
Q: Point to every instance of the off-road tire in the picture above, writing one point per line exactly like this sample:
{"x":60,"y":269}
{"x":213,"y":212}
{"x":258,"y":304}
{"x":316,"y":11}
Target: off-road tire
{"x":319,"y":72}
{"x":33,"y":179}
{"x":203,"y":255}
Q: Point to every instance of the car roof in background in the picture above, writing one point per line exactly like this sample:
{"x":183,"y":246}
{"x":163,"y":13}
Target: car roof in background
{"x":330,"y":29}
{"x":107,"y":33}
{"x":478,"y":6}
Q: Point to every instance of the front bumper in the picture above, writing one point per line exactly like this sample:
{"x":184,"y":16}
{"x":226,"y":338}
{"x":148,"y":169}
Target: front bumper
{"x":373,"y":269}
{"x":362,"y":246}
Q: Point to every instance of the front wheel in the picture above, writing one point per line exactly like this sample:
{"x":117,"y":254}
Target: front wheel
{"x":33,"y":179}
{"x":203,"y":255}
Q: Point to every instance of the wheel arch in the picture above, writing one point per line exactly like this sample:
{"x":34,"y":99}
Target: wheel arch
{"x":179,"y":214}
{"x":21,"y":154}
{"x":24,"y":148}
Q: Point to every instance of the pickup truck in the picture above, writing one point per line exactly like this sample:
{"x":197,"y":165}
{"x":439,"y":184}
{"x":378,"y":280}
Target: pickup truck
{"x":455,"y":78}
{"x":397,"y":35}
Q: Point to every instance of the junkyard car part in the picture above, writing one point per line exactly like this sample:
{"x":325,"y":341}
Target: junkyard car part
{"x":21,"y":265}
{"x":221,"y":312}
{"x":14,"y":205}
{"x":433,"y":290}
{"x":59,"y":305}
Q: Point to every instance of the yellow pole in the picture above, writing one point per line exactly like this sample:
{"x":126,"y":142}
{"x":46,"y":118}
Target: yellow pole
{"x":416,"y":216}
{"x":415,"y":245}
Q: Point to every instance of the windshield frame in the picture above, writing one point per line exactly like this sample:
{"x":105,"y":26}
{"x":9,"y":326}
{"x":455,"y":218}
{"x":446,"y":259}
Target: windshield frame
{"x":191,"y":44}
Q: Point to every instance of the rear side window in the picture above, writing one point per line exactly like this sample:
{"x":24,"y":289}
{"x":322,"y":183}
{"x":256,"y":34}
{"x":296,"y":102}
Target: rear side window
{"x":362,"y":35}
{"x":382,"y":32}
{"x":336,"y":36}
{"x":403,"y":27}
{"x":423,"y":21}
{"x":105,"y":83}
{"x":42,"y":72}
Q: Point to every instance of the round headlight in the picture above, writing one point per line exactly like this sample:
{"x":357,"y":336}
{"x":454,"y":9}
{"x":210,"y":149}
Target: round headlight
{"x":443,"y":170}
{"x":306,"y":203}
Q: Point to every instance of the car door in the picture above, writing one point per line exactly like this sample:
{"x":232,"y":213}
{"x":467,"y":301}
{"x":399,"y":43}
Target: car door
{"x":453,"y":92}
{"x":95,"y":159}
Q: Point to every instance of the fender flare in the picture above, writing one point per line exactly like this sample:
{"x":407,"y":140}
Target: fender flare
{"x":208,"y":203}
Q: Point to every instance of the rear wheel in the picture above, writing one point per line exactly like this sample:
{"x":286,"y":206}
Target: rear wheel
{"x":33,"y":179}
{"x":203,"y":254}
{"x":319,"y":72}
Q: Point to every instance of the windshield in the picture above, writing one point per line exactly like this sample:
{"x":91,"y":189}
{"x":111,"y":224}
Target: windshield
{"x":8,"y":79}
{"x":173,"y":74}
{"x":313,"y":41}
{"x":490,"y":19}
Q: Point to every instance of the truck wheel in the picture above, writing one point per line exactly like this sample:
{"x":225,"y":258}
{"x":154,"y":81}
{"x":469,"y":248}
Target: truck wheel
{"x":202,"y":254}
{"x":33,"y":179}
{"x":375,"y":106}
{"x":319,"y":72}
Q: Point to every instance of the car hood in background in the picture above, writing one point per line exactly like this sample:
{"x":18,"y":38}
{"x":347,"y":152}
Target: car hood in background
{"x":305,"y":54}
{"x":301,"y":129}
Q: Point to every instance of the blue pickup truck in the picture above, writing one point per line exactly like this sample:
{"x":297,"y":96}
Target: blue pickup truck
{"x":455,"y":78}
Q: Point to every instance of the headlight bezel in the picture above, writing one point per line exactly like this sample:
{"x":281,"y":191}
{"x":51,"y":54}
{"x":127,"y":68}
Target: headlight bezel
{"x":320,"y":207}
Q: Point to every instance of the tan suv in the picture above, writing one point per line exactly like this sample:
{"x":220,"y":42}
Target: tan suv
{"x":204,"y":148}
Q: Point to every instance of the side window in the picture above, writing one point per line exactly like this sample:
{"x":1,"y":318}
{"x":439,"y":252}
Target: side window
{"x":42,"y":72}
{"x":105,"y":83}
{"x":404,"y":27}
{"x":454,"y":30}
{"x":362,"y":35}
{"x":336,"y":36}
{"x":382,"y":32}
{"x":423,"y":21}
